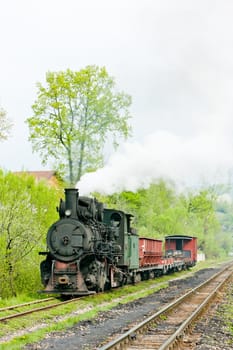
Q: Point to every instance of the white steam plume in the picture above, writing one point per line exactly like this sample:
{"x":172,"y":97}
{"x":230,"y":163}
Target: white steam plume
{"x":186,"y":161}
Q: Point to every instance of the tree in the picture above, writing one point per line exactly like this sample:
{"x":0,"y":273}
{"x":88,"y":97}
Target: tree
{"x":74,"y":116}
{"x":27,"y":210}
{"x":202,"y":215}
{"x":5,"y":125}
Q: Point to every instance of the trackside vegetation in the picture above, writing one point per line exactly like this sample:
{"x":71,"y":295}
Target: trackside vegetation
{"x":28,"y":208}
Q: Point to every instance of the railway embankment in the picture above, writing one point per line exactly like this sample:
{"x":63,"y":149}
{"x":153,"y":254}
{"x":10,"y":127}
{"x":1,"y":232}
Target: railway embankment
{"x":90,"y":333}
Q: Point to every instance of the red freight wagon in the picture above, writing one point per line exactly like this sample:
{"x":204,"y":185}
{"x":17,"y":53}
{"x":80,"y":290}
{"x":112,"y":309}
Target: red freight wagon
{"x":182,"y":246}
{"x":150,"y":251}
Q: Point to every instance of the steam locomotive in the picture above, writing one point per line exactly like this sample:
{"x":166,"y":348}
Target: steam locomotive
{"x":92,"y":249}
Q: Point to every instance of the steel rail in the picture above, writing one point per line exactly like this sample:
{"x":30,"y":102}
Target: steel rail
{"x":125,"y":339}
{"x":168,"y":344}
{"x":51,"y":306}
{"x":17,"y":306}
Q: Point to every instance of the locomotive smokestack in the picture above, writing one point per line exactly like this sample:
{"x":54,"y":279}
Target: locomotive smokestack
{"x":71,"y":200}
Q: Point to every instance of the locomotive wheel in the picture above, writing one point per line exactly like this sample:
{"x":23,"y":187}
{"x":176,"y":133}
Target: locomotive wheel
{"x":102,"y":279}
{"x":138,"y":278}
{"x":151,"y":275}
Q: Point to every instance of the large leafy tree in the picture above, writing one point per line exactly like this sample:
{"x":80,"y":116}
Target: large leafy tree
{"x":5,"y":125}
{"x":74,"y":115}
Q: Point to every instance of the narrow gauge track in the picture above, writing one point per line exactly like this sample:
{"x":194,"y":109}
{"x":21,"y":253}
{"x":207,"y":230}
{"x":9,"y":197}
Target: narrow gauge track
{"x":168,"y":328}
{"x":33,"y":310}
{"x":18,"y":306}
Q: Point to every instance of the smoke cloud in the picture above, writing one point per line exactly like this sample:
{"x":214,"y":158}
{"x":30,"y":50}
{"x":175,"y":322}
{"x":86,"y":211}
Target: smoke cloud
{"x":193,"y":161}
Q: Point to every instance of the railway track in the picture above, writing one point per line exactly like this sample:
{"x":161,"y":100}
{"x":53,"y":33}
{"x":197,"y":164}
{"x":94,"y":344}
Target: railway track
{"x":169,"y":328}
{"x":18,"y":306}
{"x":52,"y":304}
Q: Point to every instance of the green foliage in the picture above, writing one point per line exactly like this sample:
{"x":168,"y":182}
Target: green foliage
{"x":74,"y":116}
{"x":224,"y":210}
{"x":201,"y":210}
{"x":5,"y":125}
{"x":225,"y":214}
{"x":27,"y":210}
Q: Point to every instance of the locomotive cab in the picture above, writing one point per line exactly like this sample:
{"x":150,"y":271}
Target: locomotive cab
{"x":127,"y":239}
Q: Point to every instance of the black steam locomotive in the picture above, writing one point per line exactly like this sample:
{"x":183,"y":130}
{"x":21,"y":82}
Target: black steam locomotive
{"x":92,"y":249}
{"x":84,"y":247}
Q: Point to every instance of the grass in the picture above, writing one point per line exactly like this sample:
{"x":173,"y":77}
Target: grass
{"x":20,"y":299}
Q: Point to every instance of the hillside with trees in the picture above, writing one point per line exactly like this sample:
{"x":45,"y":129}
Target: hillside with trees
{"x":28,"y":208}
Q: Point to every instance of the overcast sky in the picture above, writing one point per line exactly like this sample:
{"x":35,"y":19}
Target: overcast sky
{"x":174,"y":57}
